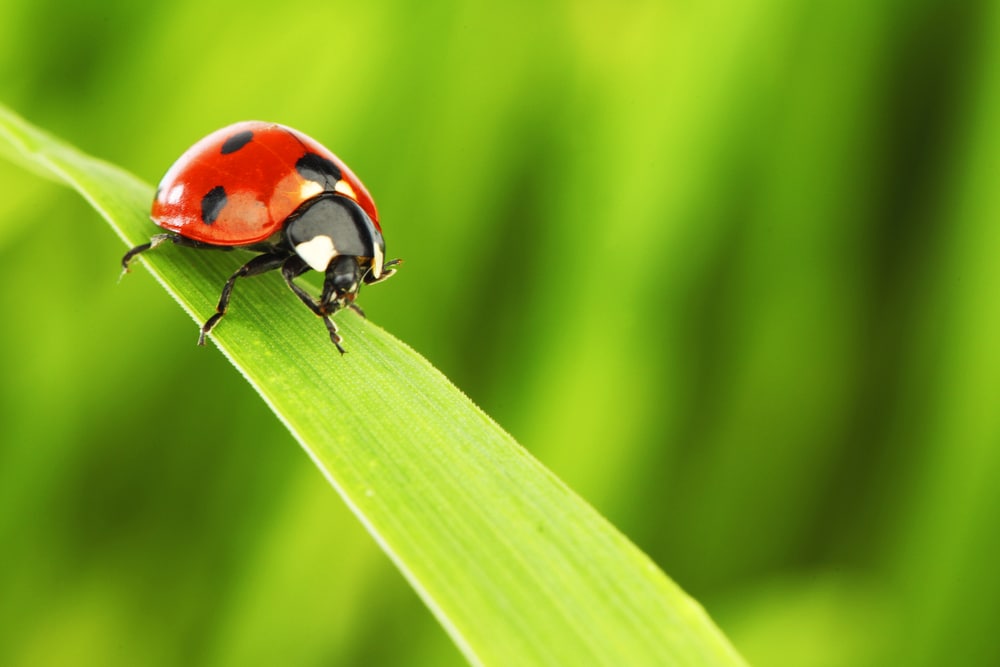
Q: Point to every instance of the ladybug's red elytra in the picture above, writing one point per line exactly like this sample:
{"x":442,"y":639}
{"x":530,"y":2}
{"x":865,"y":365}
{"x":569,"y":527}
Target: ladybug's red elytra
{"x":271,"y":189}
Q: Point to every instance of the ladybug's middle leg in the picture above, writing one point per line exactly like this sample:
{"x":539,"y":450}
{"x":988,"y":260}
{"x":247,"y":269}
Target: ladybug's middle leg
{"x":256,"y":266}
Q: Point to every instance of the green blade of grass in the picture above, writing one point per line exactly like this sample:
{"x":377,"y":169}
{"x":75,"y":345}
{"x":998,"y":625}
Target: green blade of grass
{"x":518,"y":569}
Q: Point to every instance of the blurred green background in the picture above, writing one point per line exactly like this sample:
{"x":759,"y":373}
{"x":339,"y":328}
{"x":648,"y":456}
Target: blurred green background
{"x":730,"y":269}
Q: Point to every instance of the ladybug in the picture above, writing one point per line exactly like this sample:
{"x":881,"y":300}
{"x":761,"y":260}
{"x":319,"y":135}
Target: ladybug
{"x":271,"y":189}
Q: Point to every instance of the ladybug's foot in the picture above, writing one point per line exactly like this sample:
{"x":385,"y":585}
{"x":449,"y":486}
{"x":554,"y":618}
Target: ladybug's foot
{"x":357,"y":309}
{"x":208,"y":326}
{"x":335,"y":337}
{"x":143,"y":247}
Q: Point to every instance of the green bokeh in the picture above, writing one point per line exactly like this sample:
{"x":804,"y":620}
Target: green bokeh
{"x":728,"y":268}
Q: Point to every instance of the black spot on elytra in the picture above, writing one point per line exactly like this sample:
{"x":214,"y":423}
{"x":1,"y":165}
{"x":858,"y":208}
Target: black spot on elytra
{"x":236,"y":142}
{"x":212,"y":204}
{"x":317,"y":168}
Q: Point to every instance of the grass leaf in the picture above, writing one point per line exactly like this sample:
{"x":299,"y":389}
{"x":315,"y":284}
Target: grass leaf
{"x":518,"y":569}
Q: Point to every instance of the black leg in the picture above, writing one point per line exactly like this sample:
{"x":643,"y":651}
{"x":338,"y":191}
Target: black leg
{"x":368,"y":280}
{"x":294,"y":267}
{"x":256,"y":266}
{"x":176,"y":239}
{"x":335,"y":337}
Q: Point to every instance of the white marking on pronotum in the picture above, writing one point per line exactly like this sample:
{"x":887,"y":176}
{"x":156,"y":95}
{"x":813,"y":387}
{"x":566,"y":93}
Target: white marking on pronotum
{"x":317,"y":252}
{"x":377,"y":260}
{"x":308,"y":189}
{"x":344,"y":188}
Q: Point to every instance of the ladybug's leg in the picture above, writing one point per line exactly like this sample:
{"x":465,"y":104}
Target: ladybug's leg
{"x":294,"y":267}
{"x":368,"y":280}
{"x":385,"y":274}
{"x":256,"y":266}
{"x":335,"y":337}
{"x":176,"y":239}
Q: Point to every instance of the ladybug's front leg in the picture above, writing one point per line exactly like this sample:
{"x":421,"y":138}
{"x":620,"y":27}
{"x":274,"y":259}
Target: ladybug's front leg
{"x":295,"y":267}
{"x":385,"y":273}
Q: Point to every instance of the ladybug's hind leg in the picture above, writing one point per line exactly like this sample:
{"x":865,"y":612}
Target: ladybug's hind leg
{"x":159,"y":239}
{"x":256,"y":266}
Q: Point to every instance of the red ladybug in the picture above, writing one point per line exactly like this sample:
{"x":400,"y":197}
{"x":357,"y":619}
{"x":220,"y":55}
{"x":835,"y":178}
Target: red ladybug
{"x":271,"y":189}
